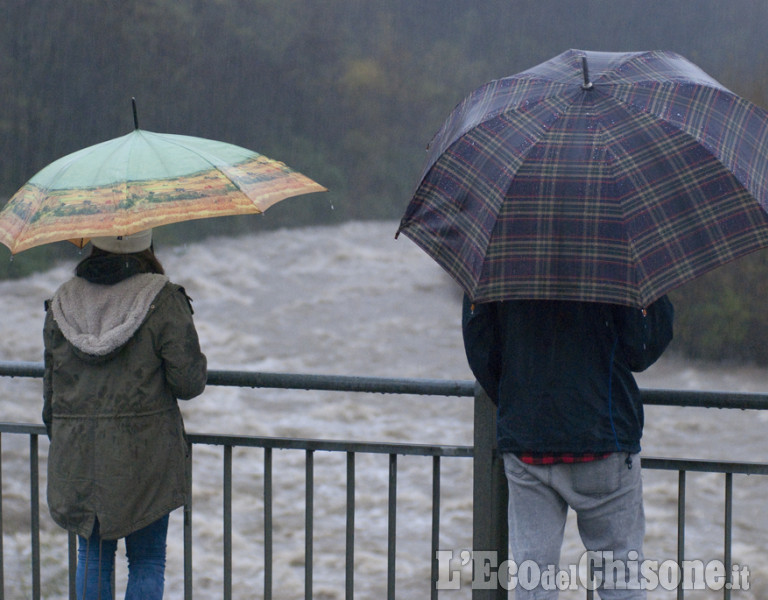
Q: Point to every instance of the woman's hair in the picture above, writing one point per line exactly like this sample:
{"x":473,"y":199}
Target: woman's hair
{"x":109,"y":268}
{"x":147,"y":260}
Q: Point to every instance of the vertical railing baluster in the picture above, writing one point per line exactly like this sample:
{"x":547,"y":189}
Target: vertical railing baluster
{"x":227,"y":476}
{"x":680,"y":530}
{"x":2,"y":527}
{"x":34,"y":474}
{"x":728,"y":526}
{"x":72,"y":554}
{"x":435,"y":525}
{"x":267,"y":523}
{"x":188,"y":570}
{"x":309,"y":525}
{"x":349,"y":578}
{"x":392,"y":527}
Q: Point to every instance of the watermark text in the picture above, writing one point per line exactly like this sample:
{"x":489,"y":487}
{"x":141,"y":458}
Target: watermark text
{"x":594,"y":570}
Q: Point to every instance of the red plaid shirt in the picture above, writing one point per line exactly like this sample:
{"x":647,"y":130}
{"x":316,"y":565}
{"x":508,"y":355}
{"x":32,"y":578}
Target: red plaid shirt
{"x":532,"y":458}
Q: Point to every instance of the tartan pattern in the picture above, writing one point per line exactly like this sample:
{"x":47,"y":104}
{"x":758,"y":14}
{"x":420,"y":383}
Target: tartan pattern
{"x":537,"y":188}
{"x":531,"y":458}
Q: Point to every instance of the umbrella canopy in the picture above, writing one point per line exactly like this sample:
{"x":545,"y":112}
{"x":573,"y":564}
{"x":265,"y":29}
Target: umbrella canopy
{"x":143,"y":180}
{"x":594,"y":176}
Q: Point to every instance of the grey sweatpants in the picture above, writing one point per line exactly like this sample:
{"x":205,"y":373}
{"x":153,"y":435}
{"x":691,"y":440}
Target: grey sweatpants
{"x":607,"y":497}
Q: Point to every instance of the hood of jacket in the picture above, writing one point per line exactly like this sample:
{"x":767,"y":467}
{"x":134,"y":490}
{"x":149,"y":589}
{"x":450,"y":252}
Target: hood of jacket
{"x":98,"y":319}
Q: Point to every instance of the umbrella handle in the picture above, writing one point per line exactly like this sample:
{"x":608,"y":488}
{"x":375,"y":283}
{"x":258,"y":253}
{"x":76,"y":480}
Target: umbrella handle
{"x":587,"y":85}
{"x":135,"y":114}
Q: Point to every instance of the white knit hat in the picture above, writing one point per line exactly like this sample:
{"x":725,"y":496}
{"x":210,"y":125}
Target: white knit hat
{"x":124,"y":244}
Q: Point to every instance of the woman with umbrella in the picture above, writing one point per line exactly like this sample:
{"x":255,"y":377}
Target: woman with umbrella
{"x":120,"y":349}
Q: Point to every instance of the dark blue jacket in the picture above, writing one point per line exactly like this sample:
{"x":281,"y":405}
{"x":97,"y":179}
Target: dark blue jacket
{"x":561,"y":372}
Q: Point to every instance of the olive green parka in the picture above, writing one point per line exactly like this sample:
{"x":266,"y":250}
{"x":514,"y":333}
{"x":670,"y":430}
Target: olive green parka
{"x":117,"y":358}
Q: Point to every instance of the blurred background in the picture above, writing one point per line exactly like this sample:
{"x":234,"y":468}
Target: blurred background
{"x":348,"y":92}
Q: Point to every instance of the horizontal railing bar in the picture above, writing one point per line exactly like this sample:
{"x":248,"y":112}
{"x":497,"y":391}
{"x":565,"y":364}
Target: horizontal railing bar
{"x":328,"y":445}
{"x":661,"y":463}
{"x":28,"y":428}
{"x":426,"y":387}
{"x":701,"y":399}
{"x":343,"y":383}
{"x":215,"y":439}
{"x":704,"y":466}
{"x":21,"y":369}
{"x":300,"y":381}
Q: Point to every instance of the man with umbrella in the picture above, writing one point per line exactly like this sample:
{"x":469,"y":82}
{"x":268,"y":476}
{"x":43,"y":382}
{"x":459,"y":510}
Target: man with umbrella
{"x":570,"y":419}
{"x":567,"y":207}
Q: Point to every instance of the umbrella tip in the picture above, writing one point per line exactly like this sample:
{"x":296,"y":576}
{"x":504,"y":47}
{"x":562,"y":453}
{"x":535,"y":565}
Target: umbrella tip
{"x":587,"y":85}
{"x":135,"y":114}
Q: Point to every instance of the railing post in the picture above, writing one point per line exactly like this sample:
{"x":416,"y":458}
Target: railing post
{"x":267,"y":523}
{"x":728,"y":527}
{"x":309,"y":523}
{"x":72,"y":562}
{"x":187,"y":526}
{"x":392,"y":528}
{"x":2,"y":528}
{"x":489,"y":500}
{"x":34,"y":475}
{"x":227,"y":478}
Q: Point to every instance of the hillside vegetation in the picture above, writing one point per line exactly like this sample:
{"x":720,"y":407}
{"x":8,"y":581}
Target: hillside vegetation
{"x":347,"y":91}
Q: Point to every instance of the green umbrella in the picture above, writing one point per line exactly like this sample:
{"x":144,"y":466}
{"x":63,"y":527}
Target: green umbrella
{"x":143,"y":180}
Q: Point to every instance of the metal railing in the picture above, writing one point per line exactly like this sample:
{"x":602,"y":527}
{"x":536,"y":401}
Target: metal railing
{"x":489,"y":483}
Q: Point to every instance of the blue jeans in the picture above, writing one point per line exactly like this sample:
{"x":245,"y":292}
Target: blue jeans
{"x":607,"y":496}
{"x":145,"y":549}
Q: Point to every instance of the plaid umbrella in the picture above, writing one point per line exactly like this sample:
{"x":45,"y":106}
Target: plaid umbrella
{"x":615,"y":187}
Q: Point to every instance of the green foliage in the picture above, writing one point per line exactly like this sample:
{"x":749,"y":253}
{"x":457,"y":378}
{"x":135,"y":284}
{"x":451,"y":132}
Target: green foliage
{"x":722,"y":316}
{"x":36,"y":259}
{"x":348,"y":92}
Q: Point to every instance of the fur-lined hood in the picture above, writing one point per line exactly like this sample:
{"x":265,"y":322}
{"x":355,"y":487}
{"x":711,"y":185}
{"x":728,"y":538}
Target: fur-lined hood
{"x":98,"y":319}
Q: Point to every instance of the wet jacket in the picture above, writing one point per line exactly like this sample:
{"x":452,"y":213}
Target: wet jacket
{"x":561,"y":372}
{"x":117,"y":358}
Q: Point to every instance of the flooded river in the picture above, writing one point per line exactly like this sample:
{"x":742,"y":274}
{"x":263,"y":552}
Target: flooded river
{"x":351,"y":300}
